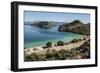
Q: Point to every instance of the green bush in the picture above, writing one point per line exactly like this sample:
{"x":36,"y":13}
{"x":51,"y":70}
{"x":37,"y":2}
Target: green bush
{"x":27,"y":58}
{"x":33,"y":57}
{"x":49,"y":44}
{"x":64,"y":54}
{"x":36,"y":57}
{"x":79,"y":39}
{"x":54,"y":55}
{"x":60,"y":43}
{"x":74,"y":41}
{"x":50,"y":56}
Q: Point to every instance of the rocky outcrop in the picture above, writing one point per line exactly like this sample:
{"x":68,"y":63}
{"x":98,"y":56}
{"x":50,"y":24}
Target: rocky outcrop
{"x":76,"y":27}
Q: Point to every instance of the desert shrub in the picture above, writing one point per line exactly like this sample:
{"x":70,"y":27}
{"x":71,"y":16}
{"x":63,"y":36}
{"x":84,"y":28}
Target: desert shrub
{"x":60,"y":43}
{"x":61,"y":55}
{"x":75,"y":54}
{"x":51,"y":55}
{"x":65,"y":54}
{"x":58,"y":56}
{"x":74,"y":41}
{"x":36,"y":57}
{"x":27,"y":58}
{"x":84,"y":38}
{"x":79,"y":39}
{"x":49,"y":44}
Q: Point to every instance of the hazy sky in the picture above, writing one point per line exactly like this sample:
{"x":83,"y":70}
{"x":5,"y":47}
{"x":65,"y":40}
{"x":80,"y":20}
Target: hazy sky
{"x":55,"y":16}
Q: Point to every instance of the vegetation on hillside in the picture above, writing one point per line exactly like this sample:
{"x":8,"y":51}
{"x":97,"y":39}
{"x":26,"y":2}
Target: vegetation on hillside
{"x":76,"y":27}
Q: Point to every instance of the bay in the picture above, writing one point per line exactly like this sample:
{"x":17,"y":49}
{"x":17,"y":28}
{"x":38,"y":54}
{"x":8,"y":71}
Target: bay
{"x":34,"y":37}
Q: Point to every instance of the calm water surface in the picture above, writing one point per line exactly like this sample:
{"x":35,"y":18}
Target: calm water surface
{"x":36,"y":37}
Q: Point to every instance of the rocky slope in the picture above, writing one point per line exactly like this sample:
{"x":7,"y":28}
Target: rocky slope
{"x":76,"y":27}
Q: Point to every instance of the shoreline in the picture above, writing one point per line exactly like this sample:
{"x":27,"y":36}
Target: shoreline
{"x":32,"y":44}
{"x":69,"y":46}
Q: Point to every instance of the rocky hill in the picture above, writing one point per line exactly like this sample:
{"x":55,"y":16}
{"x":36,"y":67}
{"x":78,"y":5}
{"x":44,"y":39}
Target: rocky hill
{"x":43,"y":24}
{"x":75,"y":27}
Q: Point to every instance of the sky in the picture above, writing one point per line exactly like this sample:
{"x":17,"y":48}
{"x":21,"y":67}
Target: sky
{"x":30,"y":16}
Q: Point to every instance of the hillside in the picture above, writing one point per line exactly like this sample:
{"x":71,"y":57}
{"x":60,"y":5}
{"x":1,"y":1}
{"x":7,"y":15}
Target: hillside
{"x":43,"y":25}
{"x":75,"y":27}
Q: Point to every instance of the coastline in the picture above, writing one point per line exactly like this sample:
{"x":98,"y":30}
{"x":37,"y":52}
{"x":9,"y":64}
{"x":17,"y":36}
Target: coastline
{"x":69,"y":46}
{"x":34,"y":44}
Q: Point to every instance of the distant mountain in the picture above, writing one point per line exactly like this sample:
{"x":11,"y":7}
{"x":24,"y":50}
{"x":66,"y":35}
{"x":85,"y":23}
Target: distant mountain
{"x":52,"y":22}
{"x":43,"y":25}
{"x":76,"y":26}
{"x":46,"y":24}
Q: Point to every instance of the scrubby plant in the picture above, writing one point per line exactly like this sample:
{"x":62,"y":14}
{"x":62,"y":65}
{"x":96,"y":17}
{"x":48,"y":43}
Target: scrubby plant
{"x":79,"y":39}
{"x":27,"y":58}
{"x":84,"y":38}
{"x":60,"y":43}
{"x":49,"y":44}
{"x":74,"y":41}
{"x":36,"y":57}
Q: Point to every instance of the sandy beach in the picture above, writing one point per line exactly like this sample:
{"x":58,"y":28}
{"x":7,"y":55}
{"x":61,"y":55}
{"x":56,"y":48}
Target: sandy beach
{"x":41,"y":50}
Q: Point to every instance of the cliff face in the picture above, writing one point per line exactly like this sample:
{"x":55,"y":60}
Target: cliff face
{"x":75,"y":27}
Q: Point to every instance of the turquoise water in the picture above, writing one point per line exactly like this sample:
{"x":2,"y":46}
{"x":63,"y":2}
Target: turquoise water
{"x":36,"y":37}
